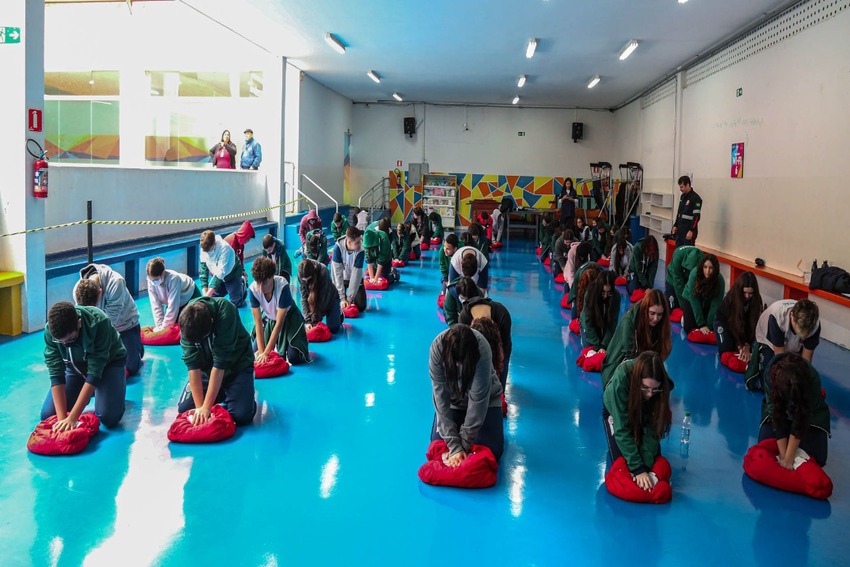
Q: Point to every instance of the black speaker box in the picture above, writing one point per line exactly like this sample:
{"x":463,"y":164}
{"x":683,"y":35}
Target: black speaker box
{"x":578,"y":131}
{"x":410,"y":126}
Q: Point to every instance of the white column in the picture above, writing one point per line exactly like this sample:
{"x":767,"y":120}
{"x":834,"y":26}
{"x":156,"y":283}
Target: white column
{"x":23,"y":88}
{"x":274,"y":92}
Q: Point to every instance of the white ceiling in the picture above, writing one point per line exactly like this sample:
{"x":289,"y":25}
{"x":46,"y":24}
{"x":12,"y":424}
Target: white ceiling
{"x":473,"y":51}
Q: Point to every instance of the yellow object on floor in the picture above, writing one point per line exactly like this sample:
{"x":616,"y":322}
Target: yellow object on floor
{"x":10,"y":303}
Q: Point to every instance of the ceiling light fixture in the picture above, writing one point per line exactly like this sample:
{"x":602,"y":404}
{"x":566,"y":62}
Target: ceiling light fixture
{"x":593,"y":81}
{"x":532,"y":46}
{"x":334,"y":42}
{"x":682,"y":1}
{"x":631,"y":46}
{"x":374,"y":76}
{"x":397,"y":97}
{"x":516,"y":100}
{"x":521,"y":81}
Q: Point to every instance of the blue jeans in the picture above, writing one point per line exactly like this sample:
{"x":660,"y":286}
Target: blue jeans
{"x":334,"y":317}
{"x":632,"y":284}
{"x":108,"y":394}
{"x":491,"y":434}
{"x":132,"y":339}
{"x":234,"y":288}
{"x":236,"y":396}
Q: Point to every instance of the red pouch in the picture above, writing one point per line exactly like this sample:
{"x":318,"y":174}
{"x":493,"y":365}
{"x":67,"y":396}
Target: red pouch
{"x":539,"y":250}
{"x":731,"y":361}
{"x":275,"y":365}
{"x":620,"y":281}
{"x":547,"y":261}
{"x":676,"y":315}
{"x":564,"y":303}
{"x":760,"y":465}
{"x":695,"y":336}
{"x":351,"y":312}
{"x":559,"y":278}
{"x":637,"y":295}
{"x":423,"y":245}
{"x":44,"y":441}
{"x":619,"y":482}
{"x":575,"y":326}
{"x":380,"y":286}
{"x":478,"y":469}
{"x":219,"y":427}
{"x":319,"y":333}
{"x":441,"y":300}
{"x":504,"y":405}
{"x":499,"y":244}
{"x":436,"y":241}
{"x":399,"y":263}
{"x":604,"y":262}
{"x":412,"y":256}
{"x":168,"y":336}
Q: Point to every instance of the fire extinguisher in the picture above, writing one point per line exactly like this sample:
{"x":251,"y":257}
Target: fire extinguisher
{"x":39,"y":171}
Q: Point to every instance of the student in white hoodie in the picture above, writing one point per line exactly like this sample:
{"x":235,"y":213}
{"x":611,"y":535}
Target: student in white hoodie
{"x":170,"y":289}
{"x":102,"y":287}
{"x":221,"y":270}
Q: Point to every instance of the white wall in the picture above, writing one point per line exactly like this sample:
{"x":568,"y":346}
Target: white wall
{"x":490,"y":145}
{"x":324,"y":118}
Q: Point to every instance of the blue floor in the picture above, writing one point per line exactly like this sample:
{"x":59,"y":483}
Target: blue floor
{"x":327,"y":473}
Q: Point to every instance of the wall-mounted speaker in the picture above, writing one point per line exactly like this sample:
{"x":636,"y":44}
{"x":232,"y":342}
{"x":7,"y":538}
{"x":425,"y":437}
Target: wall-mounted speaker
{"x":410,"y":126}
{"x":578,"y":131}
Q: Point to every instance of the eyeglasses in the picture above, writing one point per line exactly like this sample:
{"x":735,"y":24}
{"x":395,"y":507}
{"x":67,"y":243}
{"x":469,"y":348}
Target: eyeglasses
{"x":69,"y":340}
{"x":648,"y":390}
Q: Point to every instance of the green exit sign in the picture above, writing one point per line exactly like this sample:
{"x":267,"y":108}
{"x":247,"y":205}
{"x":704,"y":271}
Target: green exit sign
{"x":10,"y":35}
{"x":739,"y":92}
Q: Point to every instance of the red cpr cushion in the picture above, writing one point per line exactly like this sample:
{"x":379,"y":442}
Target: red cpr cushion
{"x":590,"y":363}
{"x":619,"y":482}
{"x":441,"y":300}
{"x":167,"y":336}
{"x":399,"y":263}
{"x":695,"y":336}
{"x":380,"y":286}
{"x":412,"y":256}
{"x":637,"y":295}
{"x":559,"y":278}
{"x":436,"y":241}
{"x":575,"y":326}
{"x":547,"y":261}
{"x":424,"y":245}
{"x":219,"y":427}
{"x":319,"y":333}
{"x":539,"y":250}
{"x":44,"y":441}
{"x":499,"y":244}
{"x":731,"y":361}
{"x":564,"y":303}
{"x":620,"y":280}
{"x":351,"y":312}
{"x":478,"y":469}
{"x":676,"y":315}
{"x":275,"y":365}
{"x":504,"y":405}
{"x":604,"y":262}
{"x":760,"y":465}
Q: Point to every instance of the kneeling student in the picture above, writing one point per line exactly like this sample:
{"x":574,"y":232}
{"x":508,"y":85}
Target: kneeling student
{"x":600,"y":312}
{"x":703,"y":294}
{"x":347,"y":264}
{"x":171,"y":289}
{"x":278,"y":324}
{"x":319,"y":299}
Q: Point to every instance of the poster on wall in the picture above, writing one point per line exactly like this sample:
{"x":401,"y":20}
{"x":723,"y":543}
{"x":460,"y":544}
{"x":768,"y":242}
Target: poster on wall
{"x":737,"y":160}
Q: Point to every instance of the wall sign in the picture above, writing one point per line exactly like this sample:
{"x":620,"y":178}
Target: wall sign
{"x":737,"y":170}
{"x":34,"y":119}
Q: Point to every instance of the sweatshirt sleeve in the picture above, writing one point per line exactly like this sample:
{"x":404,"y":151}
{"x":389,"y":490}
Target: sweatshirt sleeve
{"x":258,"y":155}
{"x":356,"y":275}
{"x":591,"y":334}
{"x":97,"y":357}
{"x":716,"y":300}
{"x":446,"y":427}
{"x":226,"y":330}
{"x":696,"y":302}
{"x":53,"y":360}
{"x":616,"y":399}
{"x":156,"y":308}
{"x":478,"y":396}
{"x":339,"y":274}
{"x":172,"y":305}
{"x":204,"y":275}
{"x":305,"y":306}
{"x":609,"y":333}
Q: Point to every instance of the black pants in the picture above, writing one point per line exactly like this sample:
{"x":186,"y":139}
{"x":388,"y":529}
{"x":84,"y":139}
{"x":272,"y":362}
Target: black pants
{"x":815,"y":443}
{"x":132,"y":341}
{"x":689,"y":320}
{"x":672,"y":300}
{"x":417,"y":251}
{"x":359,"y":297}
{"x":491,"y":434}
{"x":725,"y":341}
{"x":236,"y":396}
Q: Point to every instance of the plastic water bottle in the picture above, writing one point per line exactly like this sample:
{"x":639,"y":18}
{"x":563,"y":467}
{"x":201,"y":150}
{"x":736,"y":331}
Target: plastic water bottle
{"x":684,"y":447}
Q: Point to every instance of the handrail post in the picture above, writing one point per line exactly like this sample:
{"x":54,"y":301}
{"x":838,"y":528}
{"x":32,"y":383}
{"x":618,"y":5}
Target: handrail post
{"x":316,"y":185}
{"x":89,"y":243}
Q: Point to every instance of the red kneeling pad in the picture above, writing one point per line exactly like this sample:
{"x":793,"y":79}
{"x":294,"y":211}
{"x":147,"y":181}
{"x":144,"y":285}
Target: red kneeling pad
{"x":44,"y":441}
{"x":351,"y":312}
{"x":564,"y":303}
{"x":591,"y":363}
{"x":620,"y":281}
{"x":604,"y":262}
{"x":637,"y":295}
{"x":731,"y":361}
{"x":319,"y":333}
{"x":424,"y":245}
{"x":412,"y":256}
{"x":275,"y":365}
{"x":575,"y":326}
{"x":441,"y":300}
{"x":380,"y":286}
{"x":547,"y":261}
{"x":760,"y":465}
{"x":499,"y":244}
{"x":619,"y":482}
{"x":436,"y":241}
{"x":695,"y":336}
{"x":399,"y":263}
{"x":559,"y":278}
{"x":676,"y":315}
{"x":167,"y":336}
{"x":219,"y":427}
{"x":478,"y":469}
{"x":539,"y":250}
{"x":504,"y":405}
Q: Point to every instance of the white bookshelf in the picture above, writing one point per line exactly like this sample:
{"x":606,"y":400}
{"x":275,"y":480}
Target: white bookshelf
{"x":439,"y":194}
{"x":657,"y":211}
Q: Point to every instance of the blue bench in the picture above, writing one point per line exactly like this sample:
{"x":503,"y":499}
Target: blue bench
{"x":129,"y":252}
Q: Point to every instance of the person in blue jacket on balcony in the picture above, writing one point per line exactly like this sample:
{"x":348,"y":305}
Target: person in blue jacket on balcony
{"x":252,"y":153}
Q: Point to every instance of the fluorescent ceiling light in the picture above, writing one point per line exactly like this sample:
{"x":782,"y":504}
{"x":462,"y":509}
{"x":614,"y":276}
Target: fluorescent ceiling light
{"x":521,"y":81}
{"x":532,"y":46}
{"x":516,"y":100}
{"x":336,"y":44}
{"x":397,"y":97}
{"x":631,"y":46}
{"x":374,"y":76}
{"x":593,"y":82}
{"x":682,"y":1}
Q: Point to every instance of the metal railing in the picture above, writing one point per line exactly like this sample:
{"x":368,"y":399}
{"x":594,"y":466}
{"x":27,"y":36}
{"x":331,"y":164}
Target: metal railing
{"x":297,"y":191}
{"x":378,"y":194}
{"x":316,"y":185}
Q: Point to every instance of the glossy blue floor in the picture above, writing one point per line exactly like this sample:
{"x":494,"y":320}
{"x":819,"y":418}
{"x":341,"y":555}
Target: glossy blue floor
{"x":326,"y":475}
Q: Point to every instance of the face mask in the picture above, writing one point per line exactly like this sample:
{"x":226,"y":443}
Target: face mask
{"x":157,"y":283}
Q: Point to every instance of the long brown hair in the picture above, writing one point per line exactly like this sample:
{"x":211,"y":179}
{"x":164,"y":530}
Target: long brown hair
{"x":644,"y":340}
{"x":308,"y":278}
{"x":459,"y":346}
{"x":650,"y":248}
{"x":490,"y":330}
{"x":587,"y":276}
{"x":789,"y":376}
{"x":655,"y":412}
{"x":707,"y":287}
{"x":743,"y":315}
{"x":599,"y":317}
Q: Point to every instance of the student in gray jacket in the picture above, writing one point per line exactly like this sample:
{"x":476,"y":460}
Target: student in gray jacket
{"x":466,"y":394}
{"x":102,"y":287}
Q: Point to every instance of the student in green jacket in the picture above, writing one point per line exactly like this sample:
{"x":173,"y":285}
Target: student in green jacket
{"x":572,"y":293}
{"x":643,"y":265}
{"x":84,"y":358}
{"x":400,"y":244}
{"x":339,"y":226}
{"x":636,"y":413}
{"x":645,"y":326}
{"x":703,"y":294}
{"x":600,"y":240}
{"x":600,"y":312}
{"x":437,"y":222}
{"x":450,"y":246}
{"x":218,"y":355}
{"x":794,"y":410}
{"x":274,"y":249}
{"x":278,"y":324}
{"x":684,"y":260}
{"x":479,"y":238}
{"x":379,"y":258}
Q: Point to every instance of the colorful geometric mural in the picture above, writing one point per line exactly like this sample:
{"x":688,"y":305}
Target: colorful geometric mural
{"x":164,"y":149}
